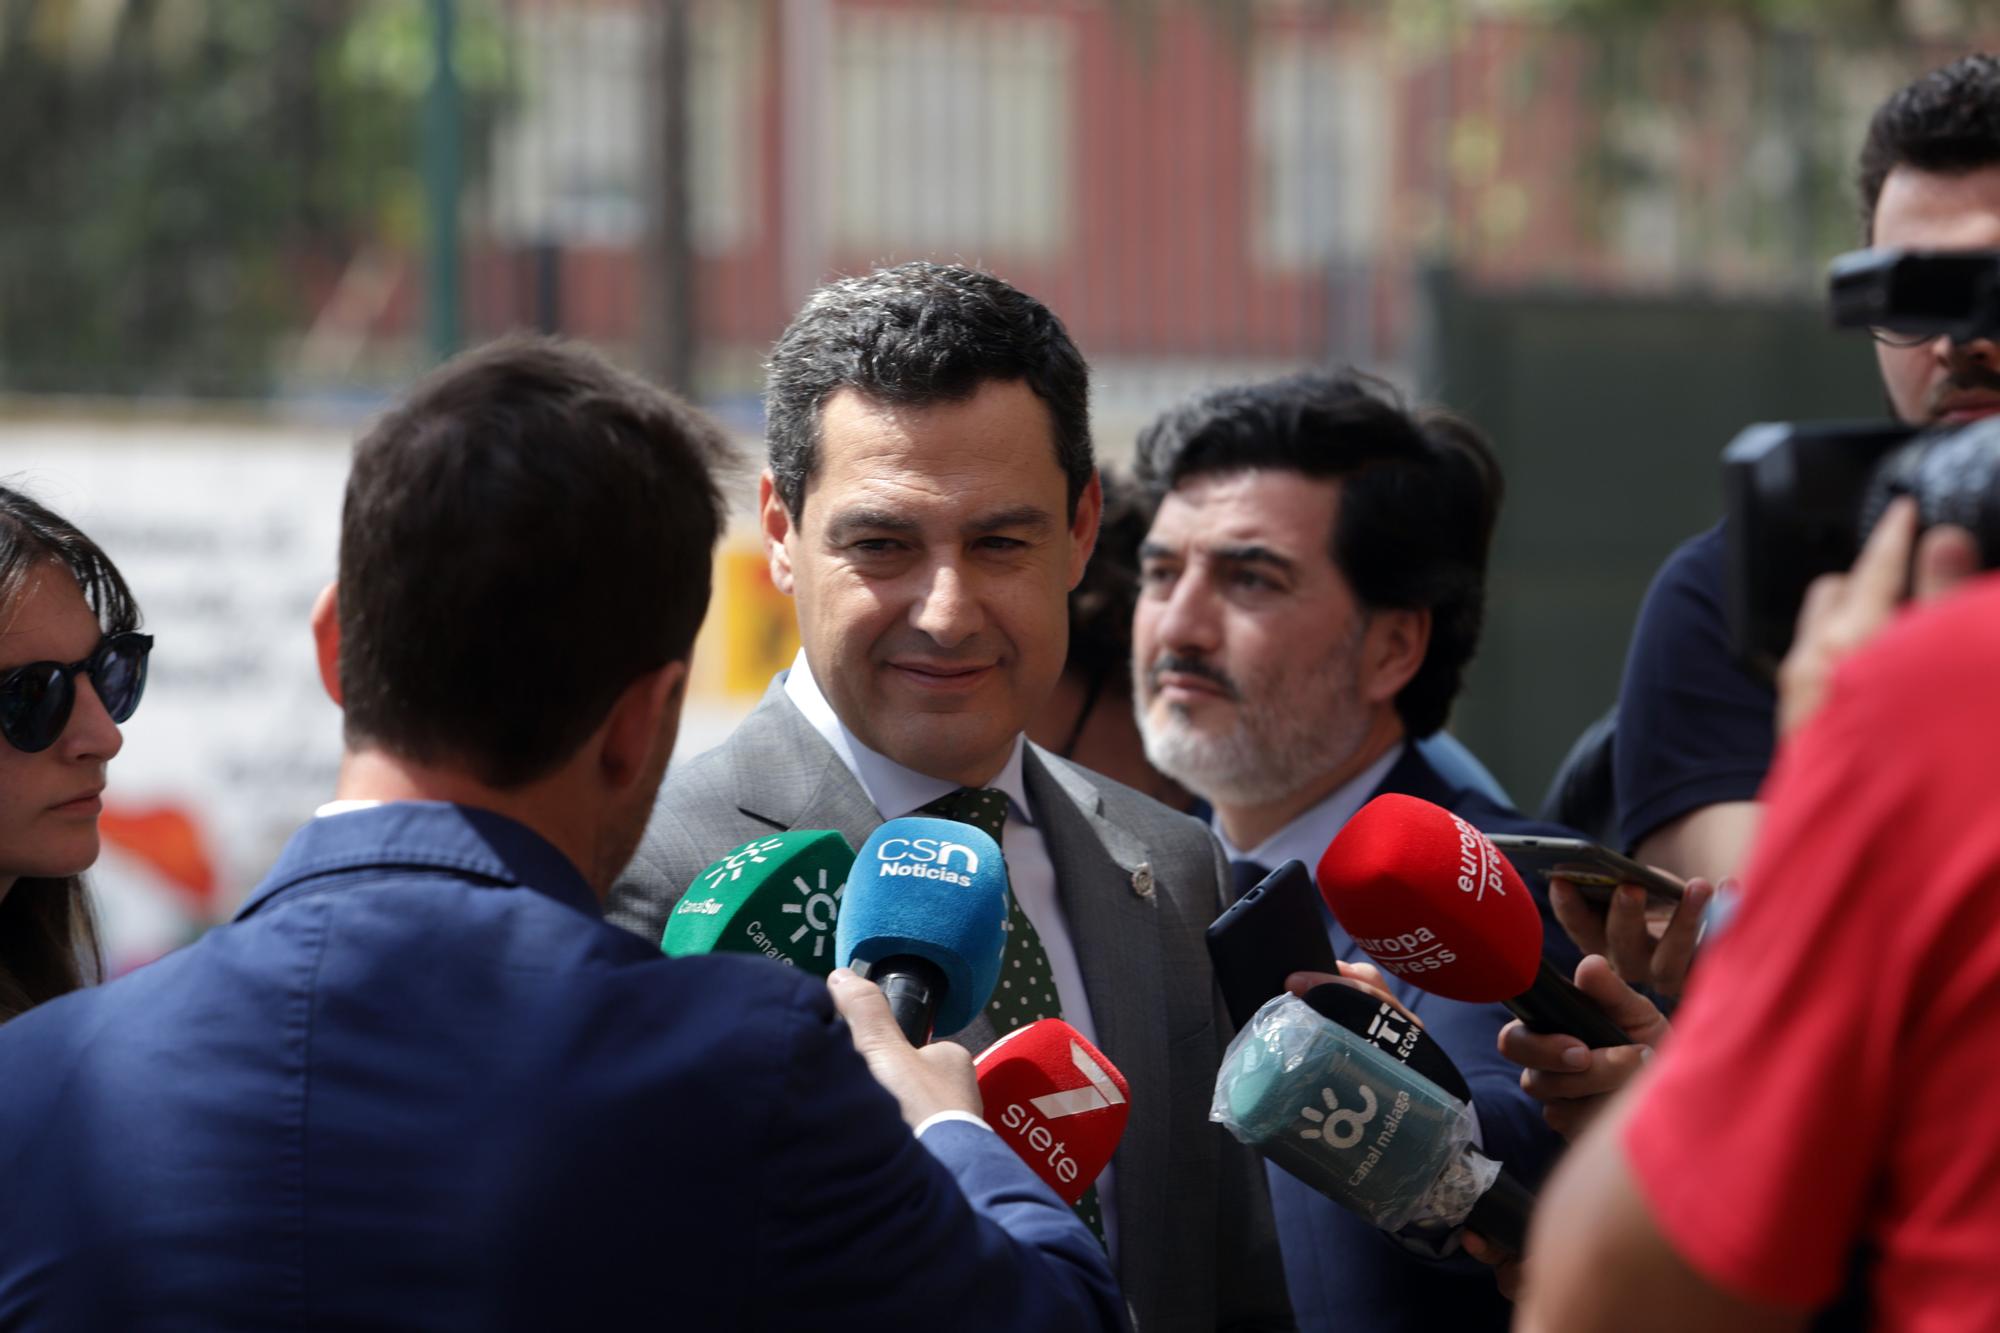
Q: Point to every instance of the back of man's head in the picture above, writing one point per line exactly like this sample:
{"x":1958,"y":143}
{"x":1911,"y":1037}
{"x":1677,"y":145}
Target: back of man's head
{"x":914,"y":335}
{"x":1946,"y":123}
{"x":1419,"y":494}
{"x":525,"y":535}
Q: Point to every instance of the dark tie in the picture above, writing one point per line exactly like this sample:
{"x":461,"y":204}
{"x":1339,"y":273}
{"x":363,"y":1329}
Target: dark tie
{"x":1246,"y":875}
{"x":1027,"y":989}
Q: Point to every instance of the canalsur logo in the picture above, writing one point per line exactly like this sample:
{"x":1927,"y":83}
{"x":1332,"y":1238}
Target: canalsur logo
{"x":1337,"y":1128}
{"x":731,"y":866}
{"x":816,"y":910}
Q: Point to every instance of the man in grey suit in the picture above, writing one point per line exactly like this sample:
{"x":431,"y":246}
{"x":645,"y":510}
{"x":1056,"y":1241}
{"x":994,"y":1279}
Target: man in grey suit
{"x":931,"y":499}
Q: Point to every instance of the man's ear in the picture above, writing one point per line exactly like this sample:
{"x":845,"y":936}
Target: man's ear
{"x":326,"y":640}
{"x":642,"y":724}
{"x":1392,"y":650}
{"x":776,"y":521}
{"x":1083,"y":528}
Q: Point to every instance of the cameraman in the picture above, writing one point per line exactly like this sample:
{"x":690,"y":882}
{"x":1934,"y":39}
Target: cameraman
{"x":1695,"y":731}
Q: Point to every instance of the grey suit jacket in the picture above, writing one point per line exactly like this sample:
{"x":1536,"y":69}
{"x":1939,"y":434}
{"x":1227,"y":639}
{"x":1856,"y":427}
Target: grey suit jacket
{"x":1138,"y":884}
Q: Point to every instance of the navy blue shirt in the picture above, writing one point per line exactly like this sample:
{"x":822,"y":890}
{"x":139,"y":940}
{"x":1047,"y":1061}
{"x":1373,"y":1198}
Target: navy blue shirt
{"x":420,"y":1082}
{"x":1694,"y":728}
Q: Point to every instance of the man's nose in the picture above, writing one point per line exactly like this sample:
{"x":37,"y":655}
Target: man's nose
{"x":948,"y":609}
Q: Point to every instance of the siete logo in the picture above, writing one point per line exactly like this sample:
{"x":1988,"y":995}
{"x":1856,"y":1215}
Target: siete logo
{"x":927,"y":858}
{"x":1334,"y":1127}
{"x":1099,"y":1092}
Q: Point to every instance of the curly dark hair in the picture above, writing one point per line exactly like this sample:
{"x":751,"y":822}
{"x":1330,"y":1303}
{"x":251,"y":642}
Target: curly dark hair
{"x":1419,"y":495}
{"x":48,"y":938}
{"x":1947,"y":122}
{"x":917,"y":334}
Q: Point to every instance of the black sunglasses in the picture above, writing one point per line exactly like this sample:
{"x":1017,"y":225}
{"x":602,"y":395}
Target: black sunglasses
{"x":36,"y":699}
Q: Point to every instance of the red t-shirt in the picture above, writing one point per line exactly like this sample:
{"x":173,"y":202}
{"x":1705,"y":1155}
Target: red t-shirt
{"x":1835,"y":1075}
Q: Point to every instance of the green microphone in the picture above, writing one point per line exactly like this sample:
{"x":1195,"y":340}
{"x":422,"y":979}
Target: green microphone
{"x":777,"y":895}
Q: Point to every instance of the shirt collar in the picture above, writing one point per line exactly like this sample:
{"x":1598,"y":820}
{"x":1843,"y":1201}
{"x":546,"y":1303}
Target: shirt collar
{"x":420,"y":835}
{"x":1306,"y":837}
{"x":895,"y":790}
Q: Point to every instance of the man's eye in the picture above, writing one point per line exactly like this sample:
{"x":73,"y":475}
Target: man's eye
{"x":1251,"y":581}
{"x":877,"y":545}
{"x":1003,"y":544}
{"x":1160,"y":575}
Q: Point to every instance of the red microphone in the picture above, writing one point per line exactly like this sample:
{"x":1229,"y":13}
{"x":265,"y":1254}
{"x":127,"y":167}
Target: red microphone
{"x":1433,"y":901}
{"x":1056,"y":1100}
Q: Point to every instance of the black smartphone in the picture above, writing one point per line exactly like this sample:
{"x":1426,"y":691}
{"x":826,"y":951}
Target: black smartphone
{"x":1595,"y":870}
{"x":1274,"y":930}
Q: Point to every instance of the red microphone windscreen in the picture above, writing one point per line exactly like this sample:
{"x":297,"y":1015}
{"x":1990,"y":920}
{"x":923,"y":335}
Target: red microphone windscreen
{"x":1057,"y":1102}
{"x":1433,"y":901}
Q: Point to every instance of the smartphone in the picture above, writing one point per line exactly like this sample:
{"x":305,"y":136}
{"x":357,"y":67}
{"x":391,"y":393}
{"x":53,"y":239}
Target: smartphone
{"x":1595,"y":870}
{"x":1274,"y":930}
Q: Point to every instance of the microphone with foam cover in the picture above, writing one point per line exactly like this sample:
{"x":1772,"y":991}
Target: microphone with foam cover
{"x":925,"y":918}
{"x":1373,"y":1135}
{"x":777,"y":895}
{"x":1432,"y":900}
{"x":1055,"y":1098}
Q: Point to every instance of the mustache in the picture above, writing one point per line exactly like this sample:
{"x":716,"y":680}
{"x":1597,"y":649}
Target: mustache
{"x":1975,"y":376}
{"x":1189,"y":666}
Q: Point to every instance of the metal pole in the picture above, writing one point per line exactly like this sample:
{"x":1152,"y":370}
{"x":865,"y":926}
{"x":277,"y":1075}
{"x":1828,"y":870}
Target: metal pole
{"x":442,"y":168}
{"x":668,"y":321}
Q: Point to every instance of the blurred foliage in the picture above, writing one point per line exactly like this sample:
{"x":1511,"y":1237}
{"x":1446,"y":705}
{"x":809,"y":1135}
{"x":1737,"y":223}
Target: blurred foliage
{"x":180,"y":172}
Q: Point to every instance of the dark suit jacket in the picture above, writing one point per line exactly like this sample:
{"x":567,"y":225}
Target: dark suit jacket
{"x":1138,"y":884}
{"x":1347,"y":1277}
{"x":419,"y":1083}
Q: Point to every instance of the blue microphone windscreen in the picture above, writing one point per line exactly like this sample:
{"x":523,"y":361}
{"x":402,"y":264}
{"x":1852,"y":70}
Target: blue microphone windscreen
{"x":936,"y":889}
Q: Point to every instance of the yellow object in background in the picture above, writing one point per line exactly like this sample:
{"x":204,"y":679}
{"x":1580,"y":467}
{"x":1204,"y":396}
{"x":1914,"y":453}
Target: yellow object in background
{"x":760,"y":631}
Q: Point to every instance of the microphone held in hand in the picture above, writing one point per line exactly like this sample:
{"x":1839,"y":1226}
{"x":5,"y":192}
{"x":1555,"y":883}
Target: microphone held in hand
{"x":1432,"y":900}
{"x":1373,"y":1135}
{"x":777,"y":895}
{"x":925,"y":918}
{"x":1057,"y":1101}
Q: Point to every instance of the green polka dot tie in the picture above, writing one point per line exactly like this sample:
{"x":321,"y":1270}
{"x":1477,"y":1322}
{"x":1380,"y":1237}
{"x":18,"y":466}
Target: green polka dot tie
{"x":1027,"y":989}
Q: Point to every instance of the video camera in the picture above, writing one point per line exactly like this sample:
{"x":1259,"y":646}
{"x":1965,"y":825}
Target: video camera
{"x":1802,"y":497}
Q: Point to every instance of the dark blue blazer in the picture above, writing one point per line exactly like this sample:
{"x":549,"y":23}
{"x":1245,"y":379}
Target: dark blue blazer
{"x":1343,"y":1275}
{"x":420,"y":1083}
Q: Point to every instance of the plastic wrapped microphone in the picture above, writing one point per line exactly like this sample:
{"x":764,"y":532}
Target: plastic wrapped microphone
{"x":1373,"y":1135}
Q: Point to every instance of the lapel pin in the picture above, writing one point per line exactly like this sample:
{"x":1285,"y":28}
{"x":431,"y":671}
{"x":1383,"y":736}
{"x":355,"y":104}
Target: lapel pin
{"x":1142,"y":879}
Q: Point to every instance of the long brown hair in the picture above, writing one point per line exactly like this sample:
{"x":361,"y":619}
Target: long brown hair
{"x":48,"y":937}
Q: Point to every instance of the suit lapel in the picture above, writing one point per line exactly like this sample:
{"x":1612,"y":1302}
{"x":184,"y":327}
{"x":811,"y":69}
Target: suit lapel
{"x":789,"y":777}
{"x":1116,"y":934}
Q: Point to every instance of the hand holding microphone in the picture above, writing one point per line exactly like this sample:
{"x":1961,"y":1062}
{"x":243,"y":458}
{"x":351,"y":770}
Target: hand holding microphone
{"x":1572,"y":1081}
{"x":923,"y":1081}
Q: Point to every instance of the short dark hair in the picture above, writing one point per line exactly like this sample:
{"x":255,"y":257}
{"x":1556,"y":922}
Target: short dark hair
{"x":530,"y":531}
{"x":917,"y":334}
{"x":1418,"y":498}
{"x":48,"y":938}
{"x":1946,"y":122}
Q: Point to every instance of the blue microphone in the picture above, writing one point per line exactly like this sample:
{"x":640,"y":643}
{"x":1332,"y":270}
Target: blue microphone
{"x":925,"y":918}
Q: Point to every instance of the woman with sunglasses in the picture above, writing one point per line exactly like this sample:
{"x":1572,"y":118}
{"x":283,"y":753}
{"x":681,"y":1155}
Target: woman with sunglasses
{"x":72,"y":668}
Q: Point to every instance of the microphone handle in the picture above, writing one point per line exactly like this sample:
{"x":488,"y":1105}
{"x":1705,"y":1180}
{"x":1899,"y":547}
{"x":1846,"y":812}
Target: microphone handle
{"x":1501,"y":1214}
{"x":915,"y":988}
{"x":1554,"y":1004}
